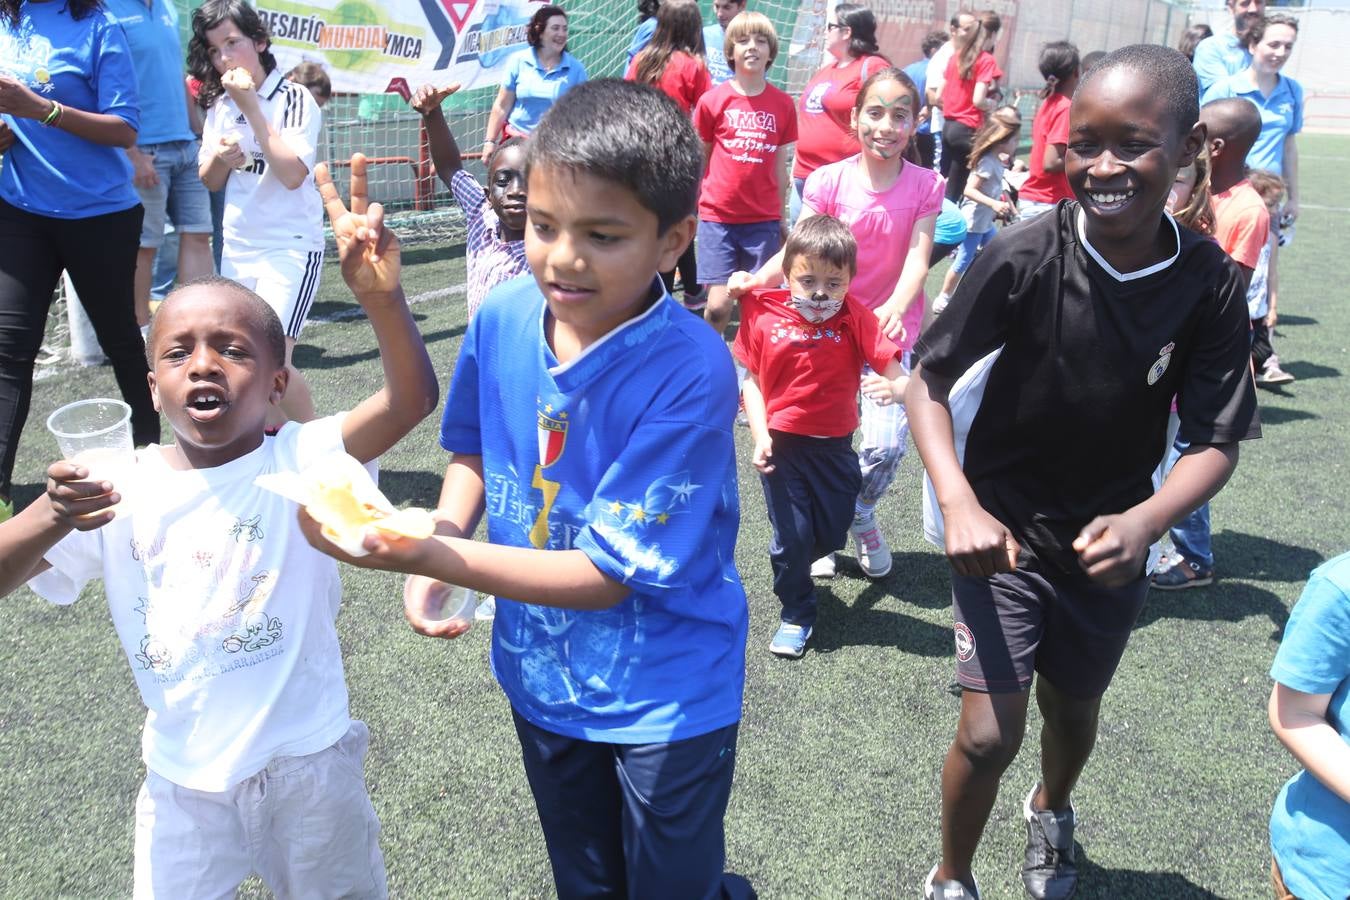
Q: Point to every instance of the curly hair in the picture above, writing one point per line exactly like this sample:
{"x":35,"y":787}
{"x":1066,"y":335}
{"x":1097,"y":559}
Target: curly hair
{"x":534,"y":32}
{"x":210,"y":15}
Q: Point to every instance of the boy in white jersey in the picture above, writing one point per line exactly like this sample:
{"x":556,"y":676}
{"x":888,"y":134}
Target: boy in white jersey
{"x":226,"y":614}
{"x":259,"y":143}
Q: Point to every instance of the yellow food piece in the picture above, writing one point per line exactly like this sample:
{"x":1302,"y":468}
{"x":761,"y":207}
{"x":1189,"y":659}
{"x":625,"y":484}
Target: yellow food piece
{"x":334,"y":505}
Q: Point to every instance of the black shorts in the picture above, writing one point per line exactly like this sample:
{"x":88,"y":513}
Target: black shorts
{"x":1072,"y":631}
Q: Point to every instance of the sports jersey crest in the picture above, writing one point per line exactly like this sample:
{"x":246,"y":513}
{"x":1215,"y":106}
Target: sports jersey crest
{"x":1156,"y":370}
{"x":552,"y":435}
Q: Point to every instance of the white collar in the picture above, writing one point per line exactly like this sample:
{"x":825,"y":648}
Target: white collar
{"x":1110,"y":269}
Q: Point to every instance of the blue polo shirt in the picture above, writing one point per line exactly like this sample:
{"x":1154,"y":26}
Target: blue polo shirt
{"x":84,"y":64}
{"x":714,"y":40}
{"x":537,"y":90}
{"x":1281,"y":116}
{"x":918,"y":73}
{"x":152,"y":33}
{"x":1217,"y":57}
{"x":641,"y":38}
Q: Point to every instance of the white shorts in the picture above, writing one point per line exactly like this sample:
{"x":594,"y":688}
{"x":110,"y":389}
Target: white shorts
{"x":304,"y":824}
{"x":287,"y":279}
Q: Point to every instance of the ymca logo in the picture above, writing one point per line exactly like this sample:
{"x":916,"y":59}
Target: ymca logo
{"x":815,"y":101}
{"x":751,"y":119}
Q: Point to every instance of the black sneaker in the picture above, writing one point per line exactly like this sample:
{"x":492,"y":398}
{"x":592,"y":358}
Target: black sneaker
{"x":1049,"y":872}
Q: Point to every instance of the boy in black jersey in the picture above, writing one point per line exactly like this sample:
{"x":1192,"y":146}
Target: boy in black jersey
{"x":1039,"y":407}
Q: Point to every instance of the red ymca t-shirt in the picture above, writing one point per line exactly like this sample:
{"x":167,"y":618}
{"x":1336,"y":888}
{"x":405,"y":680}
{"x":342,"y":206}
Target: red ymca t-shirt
{"x":1051,"y":126}
{"x":826,"y":107}
{"x":808,"y":372}
{"x":747,"y":134}
{"x":1241,"y":223}
{"x":684,"y":80}
{"x":958,"y":93}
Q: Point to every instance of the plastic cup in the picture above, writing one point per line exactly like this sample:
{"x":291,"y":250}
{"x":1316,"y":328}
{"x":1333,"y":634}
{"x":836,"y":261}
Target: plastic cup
{"x":97,"y":435}
{"x":436,"y":602}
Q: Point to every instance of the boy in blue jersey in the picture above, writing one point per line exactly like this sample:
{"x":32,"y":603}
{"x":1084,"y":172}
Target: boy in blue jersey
{"x":590,"y":418}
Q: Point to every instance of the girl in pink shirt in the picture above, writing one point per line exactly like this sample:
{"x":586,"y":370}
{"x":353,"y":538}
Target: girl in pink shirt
{"x":888,"y":203}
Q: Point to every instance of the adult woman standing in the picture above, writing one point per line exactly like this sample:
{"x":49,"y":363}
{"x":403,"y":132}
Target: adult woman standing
{"x":535,"y":78}
{"x":824,"y":134}
{"x":68,"y":94}
{"x":966,"y":99}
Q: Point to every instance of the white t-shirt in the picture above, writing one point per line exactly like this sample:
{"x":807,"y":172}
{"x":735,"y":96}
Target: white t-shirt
{"x":260,"y":211}
{"x":226,"y":614}
{"x":935,"y":77}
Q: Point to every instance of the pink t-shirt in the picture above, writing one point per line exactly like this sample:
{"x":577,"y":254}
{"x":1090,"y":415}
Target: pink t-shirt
{"x":882,"y":223}
{"x":747,"y":134}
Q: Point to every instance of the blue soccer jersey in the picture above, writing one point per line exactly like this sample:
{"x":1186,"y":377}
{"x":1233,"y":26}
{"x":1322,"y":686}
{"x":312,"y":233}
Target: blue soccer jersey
{"x":626,"y":454}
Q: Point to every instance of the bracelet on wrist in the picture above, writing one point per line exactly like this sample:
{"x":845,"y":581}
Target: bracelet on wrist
{"x":53,"y":116}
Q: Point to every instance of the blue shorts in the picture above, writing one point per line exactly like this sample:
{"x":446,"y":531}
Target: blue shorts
{"x":973,"y":243}
{"x":179,"y":196}
{"x":724,"y":249}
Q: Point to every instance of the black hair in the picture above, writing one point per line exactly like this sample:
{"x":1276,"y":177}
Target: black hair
{"x":534,"y":32}
{"x":862,"y":28}
{"x":931,"y":42}
{"x":1090,"y":60}
{"x":1258,"y":29}
{"x":825,"y":238}
{"x":1234,"y":119}
{"x":78,"y":9}
{"x":513,"y":141}
{"x":626,"y":133}
{"x":1058,"y":63}
{"x":213,"y":14}
{"x":647,"y":9}
{"x":1167,"y":74}
{"x":1193,"y":36}
{"x":262,"y":318}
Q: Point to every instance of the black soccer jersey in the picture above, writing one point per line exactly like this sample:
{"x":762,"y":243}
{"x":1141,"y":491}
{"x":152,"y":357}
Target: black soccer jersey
{"x":1066,"y":372}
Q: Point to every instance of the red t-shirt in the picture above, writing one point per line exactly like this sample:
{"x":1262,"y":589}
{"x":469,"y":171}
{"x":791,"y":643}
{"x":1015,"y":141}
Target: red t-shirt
{"x":684,"y":80}
{"x":1051,"y":126}
{"x":808,"y":372}
{"x":747,"y":134}
{"x":958,"y":93}
{"x":826,"y":107}
{"x":1241,"y":223}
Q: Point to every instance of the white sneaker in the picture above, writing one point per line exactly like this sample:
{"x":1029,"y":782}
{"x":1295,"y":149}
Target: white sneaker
{"x":947,"y":890}
{"x":823,"y":567}
{"x":874,"y":554}
{"x":486,"y":611}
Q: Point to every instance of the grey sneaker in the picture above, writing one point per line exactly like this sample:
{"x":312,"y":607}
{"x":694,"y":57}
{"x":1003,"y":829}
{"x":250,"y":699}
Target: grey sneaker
{"x":823,"y":567}
{"x":486,"y":610}
{"x":947,"y":890}
{"x":1049,"y":872}
{"x":790,"y":640}
{"x":874,"y":554}
{"x":1271,"y":374}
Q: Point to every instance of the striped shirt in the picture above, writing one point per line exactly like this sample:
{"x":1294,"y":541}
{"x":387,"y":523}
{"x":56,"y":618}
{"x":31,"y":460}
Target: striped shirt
{"x":491,"y":260}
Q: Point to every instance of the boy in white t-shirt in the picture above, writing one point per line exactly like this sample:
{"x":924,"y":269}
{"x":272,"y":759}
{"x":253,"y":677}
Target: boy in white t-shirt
{"x":226,"y":614}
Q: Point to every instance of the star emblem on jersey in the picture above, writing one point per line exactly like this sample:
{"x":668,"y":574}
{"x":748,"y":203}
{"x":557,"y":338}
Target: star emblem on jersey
{"x":1156,"y":370}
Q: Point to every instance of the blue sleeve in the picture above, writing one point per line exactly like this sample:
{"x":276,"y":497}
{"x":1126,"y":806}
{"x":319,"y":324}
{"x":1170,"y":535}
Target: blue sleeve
{"x":1219,"y":90}
{"x":513,"y":72}
{"x":1315,"y":655}
{"x":1297,"y":124}
{"x":1208,"y":63}
{"x":461,"y":424}
{"x":114,"y":75}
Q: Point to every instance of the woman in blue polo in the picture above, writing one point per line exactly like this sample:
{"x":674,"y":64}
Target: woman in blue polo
{"x":1278,"y":97}
{"x":535,"y":78}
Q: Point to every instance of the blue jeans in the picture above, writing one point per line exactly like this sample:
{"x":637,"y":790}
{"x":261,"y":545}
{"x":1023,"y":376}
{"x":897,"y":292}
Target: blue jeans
{"x":1191,"y":535}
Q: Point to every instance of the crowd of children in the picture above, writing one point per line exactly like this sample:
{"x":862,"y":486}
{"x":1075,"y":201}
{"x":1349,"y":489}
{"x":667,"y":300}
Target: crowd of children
{"x":1142,"y":264}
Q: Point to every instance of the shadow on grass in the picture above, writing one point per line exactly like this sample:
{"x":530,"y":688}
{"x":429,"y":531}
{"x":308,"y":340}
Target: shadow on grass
{"x":420,"y":488}
{"x":1307,"y":371}
{"x":1294,"y":320}
{"x":308,"y":356}
{"x":862,"y":625}
{"x":921,"y":579}
{"x":1257,"y":558}
{"x":1283,"y":415}
{"x":1132,"y":884}
{"x":1226,"y":601}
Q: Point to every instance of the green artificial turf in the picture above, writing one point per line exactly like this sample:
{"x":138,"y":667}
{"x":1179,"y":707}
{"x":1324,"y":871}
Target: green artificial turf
{"x":837,"y":783}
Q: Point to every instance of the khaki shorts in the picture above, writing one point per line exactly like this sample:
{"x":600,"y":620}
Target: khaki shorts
{"x":304,"y":824}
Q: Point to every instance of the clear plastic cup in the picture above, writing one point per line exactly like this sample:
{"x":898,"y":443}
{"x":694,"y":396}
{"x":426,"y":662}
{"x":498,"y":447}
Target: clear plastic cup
{"x":97,"y":435}
{"x":440,"y":605}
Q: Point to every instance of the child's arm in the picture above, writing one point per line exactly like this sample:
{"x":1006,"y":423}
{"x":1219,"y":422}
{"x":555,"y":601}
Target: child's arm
{"x":909,"y":285}
{"x":769,"y":275}
{"x":1001,"y":207}
{"x":445,"y":154}
{"x":1299,"y":720}
{"x":1273,"y":284}
{"x":1291,"y":177}
{"x":370,"y":262}
{"x":758,"y":417}
{"x":888,"y":386}
{"x":1112,"y":549}
{"x":501,"y":110}
{"x":978,"y":545}
{"x":70,"y":503}
{"x":289,"y":168}
{"x":785,"y":152}
{"x":1052,"y":160}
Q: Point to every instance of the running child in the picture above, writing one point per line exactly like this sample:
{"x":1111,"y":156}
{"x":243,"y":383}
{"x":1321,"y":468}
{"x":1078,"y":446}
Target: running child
{"x":1046,"y":185}
{"x":802,"y":348}
{"x":591,"y":418}
{"x":259,"y":143}
{"x":982,"y":203}
{"x":1310,"y":713}
{"x":494,"y":218}
{"x":1263,"y":295}
{"x":226,"y":615}
{"x":1038,"y":486}
{"x":889,"y":203}
{"x":1241,"y":228}
{"x":748,"y":128}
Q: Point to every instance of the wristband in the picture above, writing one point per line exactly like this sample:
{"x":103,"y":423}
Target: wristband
{"x":54,"y":116}
{"x":490,"y":141}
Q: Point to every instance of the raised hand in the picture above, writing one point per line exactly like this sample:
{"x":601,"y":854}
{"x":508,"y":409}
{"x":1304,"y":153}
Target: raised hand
{"x":368,"y":252}
{"x":428,"y":98}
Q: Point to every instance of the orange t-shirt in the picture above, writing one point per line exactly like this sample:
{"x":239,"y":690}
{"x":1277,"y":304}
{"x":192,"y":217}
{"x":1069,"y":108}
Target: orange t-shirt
{"x":1241,"y":223}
